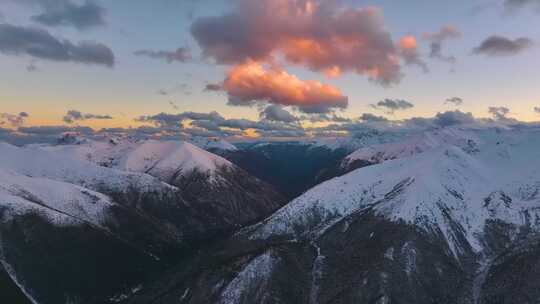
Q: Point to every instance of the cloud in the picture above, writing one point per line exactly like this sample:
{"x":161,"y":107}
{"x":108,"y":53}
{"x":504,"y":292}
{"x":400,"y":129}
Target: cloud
{"x":499,"y":113}
{"x":174,"y":120}
{"x":180,"y":88}
{"x":323,"y":117}
{"x":12,"y":119}
{"x":213,"y":87}
{"x":518,"y":4}
{"x":537,"y":110}
{"x":38,"y":43}
{"x":320,"y":35}
{"x":54,"y":130}
{"x":250,"y":83}
{"x":408,"y":48}
{"x":457,"y":101}
{"x":437,"y":40}
{"x":277,"y":113}
{"x":66,"y":13}
{"x":214,"y":125}
{"x":392,"y":105}
{"x":502,"y":46}
{"x":173,"y":105}
{"x":452,"y":118}
{"x":179,"y":55}
{"x":73,"y":116}
{"x":368,"y":117}
{"x":31,"y":67}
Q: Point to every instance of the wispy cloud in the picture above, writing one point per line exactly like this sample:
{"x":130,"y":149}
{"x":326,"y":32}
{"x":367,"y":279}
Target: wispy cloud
{"x":179,"y":55}
{"x":40,"y":44}
{"x":73,"y":116}
{"x":392,"y":105}
{"x":457,"y":101}
{"x":501,"y":46}
{"x":437,"y":40}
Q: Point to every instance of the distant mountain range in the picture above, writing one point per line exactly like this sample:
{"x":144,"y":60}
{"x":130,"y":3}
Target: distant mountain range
{"x":450,"y":215}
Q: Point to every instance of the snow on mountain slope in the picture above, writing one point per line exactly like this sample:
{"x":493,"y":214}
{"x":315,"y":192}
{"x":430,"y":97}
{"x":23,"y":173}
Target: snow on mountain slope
{"x":360,"y":140}
{"x":165,"y":160}
{"x":59,"y":167}
{"x":415,"y":144}
{"x":436,"y":189}
{"x":211,"y":144}
{"x":59,"y":202}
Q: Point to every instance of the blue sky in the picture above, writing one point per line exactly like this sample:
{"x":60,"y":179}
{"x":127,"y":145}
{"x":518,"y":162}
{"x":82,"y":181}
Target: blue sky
{"x":129,"y":89}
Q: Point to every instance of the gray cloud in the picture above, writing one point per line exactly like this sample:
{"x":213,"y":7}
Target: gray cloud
{"x":501,"y":46}
{"x":213,"y":87}
{"x":392,"y":105}
{"x":73,"y":116}
{"x":537,"y":110}
{"x":368,"y":117}
{"x":54,"y":130}
{"x":216,"y":125}
{"x":173,"y":105}
{"x":181,"y":88}
{"x":437,"y":41}
{"x":452,"y":118}
{"x":66,"y":13}
{"x":499,"y":113}
{"x":324,"y":117}
{"x":179,"y":55}
{"x":277,"y":113}
{"x":13,"y":119}
{"x":518,"y":4}
{"x":31,"y":67}
{"x":38,"y":43}
{"x":457,"y":101}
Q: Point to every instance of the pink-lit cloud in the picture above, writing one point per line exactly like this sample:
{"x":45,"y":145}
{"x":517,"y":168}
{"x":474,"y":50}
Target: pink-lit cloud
{"x":320,"y":35}
{"x":252,"y":82}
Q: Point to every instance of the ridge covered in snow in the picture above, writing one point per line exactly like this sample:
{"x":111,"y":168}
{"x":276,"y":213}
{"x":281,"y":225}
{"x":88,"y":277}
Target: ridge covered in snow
{"x":358,"y":141}
{"x":213,"y":144}
{"x":57,"y":166}
{"x":445,"y":185}
{"x":419,"y":143}
{"x":61,"y":203}
{"x":162,"y":159}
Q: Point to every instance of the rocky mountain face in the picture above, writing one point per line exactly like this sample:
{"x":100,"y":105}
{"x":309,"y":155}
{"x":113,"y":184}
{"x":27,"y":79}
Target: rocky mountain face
{"x":451,"y":223}
{"x":75,"y":232}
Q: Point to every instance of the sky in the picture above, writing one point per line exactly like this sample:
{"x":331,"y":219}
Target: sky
{"x":121,"y":63}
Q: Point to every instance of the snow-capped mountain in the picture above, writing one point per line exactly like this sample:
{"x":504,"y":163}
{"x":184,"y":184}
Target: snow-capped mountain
{"x":411,"y":145}
{"x":215,"y":145}
{"x":225,"y":193}
{"x":58,"y":202}
{"x":162,"y":159}
{"x":448,"y":222}
{"x":360,"y":140}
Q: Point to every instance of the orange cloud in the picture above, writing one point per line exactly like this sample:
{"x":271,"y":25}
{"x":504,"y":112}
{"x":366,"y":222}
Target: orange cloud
{"x":408,"y":42}
{"x":320,"y":35}
{"x":252,"y":82}
{"x":408,"y":48}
